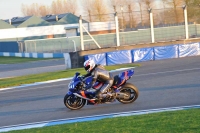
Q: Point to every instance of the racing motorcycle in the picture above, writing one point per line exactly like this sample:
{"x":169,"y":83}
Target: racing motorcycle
{"x":82,"y":92}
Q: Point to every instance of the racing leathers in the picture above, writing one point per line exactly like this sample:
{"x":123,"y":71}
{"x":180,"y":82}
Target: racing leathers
{"x":101,"y":74}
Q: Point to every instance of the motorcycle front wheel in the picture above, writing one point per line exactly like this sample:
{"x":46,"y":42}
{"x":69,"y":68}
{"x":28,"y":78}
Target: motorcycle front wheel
{"x":131,"y":91}
{"x":73,"y":102}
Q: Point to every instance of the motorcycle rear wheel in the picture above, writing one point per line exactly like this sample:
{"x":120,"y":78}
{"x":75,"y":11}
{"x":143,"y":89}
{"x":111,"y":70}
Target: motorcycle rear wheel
{"x":131,"y":90}
{"x":73,"y":102}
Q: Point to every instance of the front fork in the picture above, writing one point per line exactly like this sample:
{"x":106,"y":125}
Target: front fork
{"x":72,"y":99}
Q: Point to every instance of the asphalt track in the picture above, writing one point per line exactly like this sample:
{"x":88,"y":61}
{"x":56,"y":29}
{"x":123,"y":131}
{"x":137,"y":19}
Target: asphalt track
{"x":162,"y":84}
{"x":35,"y":67}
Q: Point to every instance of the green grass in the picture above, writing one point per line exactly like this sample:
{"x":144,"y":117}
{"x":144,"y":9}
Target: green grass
{"x":8,"y":82}
{"x":13,"y":60}
{"x":184,"y":121}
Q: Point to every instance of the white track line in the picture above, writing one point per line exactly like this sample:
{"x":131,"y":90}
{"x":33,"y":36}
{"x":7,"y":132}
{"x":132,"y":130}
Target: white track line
{"x":168,"y":72}
{"x":91,"y":118}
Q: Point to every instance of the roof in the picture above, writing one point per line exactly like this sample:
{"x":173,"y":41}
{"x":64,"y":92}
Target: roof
{"x":33,"y":22}
{"x":54,"y":18}
{"x":4,"y":25}
{"x":51,"y":19}
{"x":68,"y":19}
{"x":17,"y":20}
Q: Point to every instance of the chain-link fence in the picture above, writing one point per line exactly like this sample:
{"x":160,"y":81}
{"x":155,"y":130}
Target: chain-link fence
{"x":58,"y":45}
{"x":193,"y":14}
{"x":169,"y":24}
{"x":133,"y":28}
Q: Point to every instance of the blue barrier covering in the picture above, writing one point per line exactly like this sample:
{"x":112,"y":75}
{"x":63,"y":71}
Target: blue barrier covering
{"x":9,"y":47}
{"x":188,"y":49}
{"x":119,"y":57}
{"x":98,"y":58}
{"x":143,"y":54}
{"x":166,"y":52}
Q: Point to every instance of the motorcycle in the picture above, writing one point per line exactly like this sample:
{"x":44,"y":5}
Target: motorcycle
{"x":81,"y":91}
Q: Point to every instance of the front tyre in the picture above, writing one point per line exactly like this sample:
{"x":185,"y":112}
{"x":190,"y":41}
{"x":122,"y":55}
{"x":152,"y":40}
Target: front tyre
{"x":73,"y":102}
{"x":131,"y":91}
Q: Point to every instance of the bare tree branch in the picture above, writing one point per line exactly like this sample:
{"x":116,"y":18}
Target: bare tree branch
{"x":57,"y":7}
{"x":96,"y":9}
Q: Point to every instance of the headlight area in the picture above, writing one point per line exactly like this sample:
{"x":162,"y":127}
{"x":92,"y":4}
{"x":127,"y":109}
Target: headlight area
{"x":76,"y":87}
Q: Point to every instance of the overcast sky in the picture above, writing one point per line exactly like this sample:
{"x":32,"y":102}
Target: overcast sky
{"x":12,"y":8}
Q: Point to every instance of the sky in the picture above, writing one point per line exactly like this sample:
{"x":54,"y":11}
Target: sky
{"x":12,"y":8}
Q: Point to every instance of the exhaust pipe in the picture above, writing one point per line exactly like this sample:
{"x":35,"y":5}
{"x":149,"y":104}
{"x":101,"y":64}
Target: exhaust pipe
{"x":122,"y":95}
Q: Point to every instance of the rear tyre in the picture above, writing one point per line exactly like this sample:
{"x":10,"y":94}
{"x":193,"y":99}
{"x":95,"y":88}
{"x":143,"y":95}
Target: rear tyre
{"x":130,"y":90}
{"x":73,"y":102}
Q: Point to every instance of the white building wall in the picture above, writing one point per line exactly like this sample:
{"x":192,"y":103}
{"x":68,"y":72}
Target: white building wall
{"x":52,"y":30}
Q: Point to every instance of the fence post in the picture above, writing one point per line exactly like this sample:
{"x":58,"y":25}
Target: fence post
{"x":81,"y":32}
{"x":152,"y":27}
{"x":117,"y":29}
{"x":186,"y":22}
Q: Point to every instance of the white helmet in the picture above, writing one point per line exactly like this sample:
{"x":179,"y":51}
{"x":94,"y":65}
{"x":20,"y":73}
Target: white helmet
{"x":89,"y":65}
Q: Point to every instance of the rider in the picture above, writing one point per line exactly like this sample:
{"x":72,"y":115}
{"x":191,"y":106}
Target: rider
{"x":98,"y":72}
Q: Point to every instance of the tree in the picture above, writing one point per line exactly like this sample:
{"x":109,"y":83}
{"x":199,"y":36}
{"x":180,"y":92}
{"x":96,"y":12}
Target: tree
{"x":57,"y":7}
{"x":44,"y":10}
{"x":95,"y":8}
{"x":34,"y":9}
{"x":147,"y":5}
{"x":140,"y":3}
{"x":63,"y":6}
{"x":193,"y":10}
{"x":87,"y":8}
{"x":132,"y":16}
{"x":176,"y":10}
{"x":72,"y":6}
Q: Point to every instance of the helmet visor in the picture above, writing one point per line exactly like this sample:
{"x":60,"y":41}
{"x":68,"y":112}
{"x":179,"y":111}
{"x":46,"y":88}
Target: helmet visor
{"x":87,"y":67}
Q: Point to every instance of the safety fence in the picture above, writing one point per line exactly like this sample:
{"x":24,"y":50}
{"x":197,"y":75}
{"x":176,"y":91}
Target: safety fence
{"x":131,"y":28}
{"x":71,"y":44}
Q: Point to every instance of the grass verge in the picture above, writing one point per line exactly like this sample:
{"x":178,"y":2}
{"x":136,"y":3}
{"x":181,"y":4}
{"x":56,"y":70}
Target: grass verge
{"x":16,"y":81}
{"x":184,"y":121}
{"x":13,"y":60}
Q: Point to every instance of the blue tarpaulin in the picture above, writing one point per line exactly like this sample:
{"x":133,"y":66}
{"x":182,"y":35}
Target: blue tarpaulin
{"x":188,"y":49}
{"x":98,"y":58}
{"x":166,"y":52}
{"x":119,"y":57}
{"x":143,"y":54}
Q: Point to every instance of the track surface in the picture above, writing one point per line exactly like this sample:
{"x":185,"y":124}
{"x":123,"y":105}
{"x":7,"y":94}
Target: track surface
{"x":164,"y":83}
{"x":35,"y":67}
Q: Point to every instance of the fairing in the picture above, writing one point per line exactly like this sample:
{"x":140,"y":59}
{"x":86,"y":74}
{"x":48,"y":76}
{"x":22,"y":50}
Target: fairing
{"x":123,"y":77}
